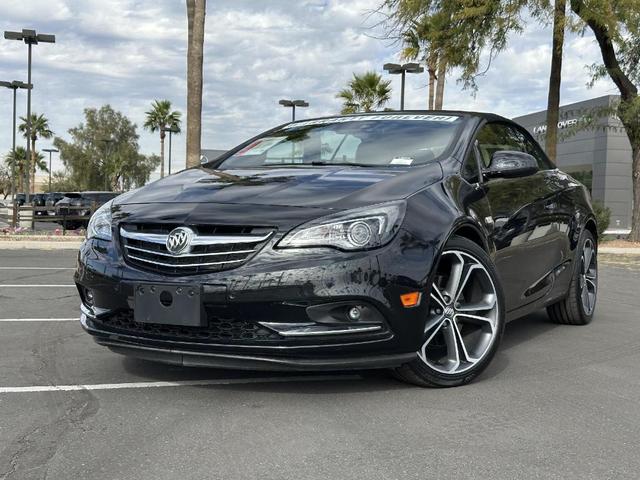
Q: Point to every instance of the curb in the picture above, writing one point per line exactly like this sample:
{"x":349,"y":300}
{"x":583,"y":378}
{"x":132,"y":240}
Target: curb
{"x":620,"y":250}
{"x":39,"y":245}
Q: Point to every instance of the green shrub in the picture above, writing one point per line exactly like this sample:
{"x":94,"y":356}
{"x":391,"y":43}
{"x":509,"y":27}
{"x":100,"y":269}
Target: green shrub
{"x":603,"y":216}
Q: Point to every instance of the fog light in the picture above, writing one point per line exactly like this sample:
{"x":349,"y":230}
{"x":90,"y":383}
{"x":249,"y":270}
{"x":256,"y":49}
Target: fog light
{"x":355,"y":313}
{"x":88,"y":296}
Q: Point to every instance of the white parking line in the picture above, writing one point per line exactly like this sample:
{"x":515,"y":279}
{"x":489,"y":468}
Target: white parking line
{"x":34,"y":286}
{"x":37,"y":268}
{"x":75,"y":319}
{"x":179,"y":383}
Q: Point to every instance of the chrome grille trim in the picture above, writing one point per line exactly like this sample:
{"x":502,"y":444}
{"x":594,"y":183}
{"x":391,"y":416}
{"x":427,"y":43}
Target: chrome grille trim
{"x":197,"y":239}
{"x":145,"y":246}
{"x":187,"y":255}
{"x":185,"y":265}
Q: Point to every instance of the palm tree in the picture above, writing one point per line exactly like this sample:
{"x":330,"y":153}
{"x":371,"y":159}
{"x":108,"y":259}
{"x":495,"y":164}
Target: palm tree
{"x":196,"y":10}
{"x":19,"y":162}
{"x":158,"y":118}
{"x":39,"y":129}
{"x":365,"y":93}
{"x":423,"y":41}
{"x":416,"y":47}
{"x":16,"y":161}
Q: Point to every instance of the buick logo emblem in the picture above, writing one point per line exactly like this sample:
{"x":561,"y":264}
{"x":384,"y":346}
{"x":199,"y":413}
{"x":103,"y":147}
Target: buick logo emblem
{"x":179,"y":240}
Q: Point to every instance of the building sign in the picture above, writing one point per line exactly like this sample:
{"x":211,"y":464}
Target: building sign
{"x":542,"y":129}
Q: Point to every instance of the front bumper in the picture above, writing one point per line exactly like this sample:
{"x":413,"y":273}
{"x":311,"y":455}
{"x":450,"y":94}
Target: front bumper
{"x":182,"y":355}
{"x":274,"y":290}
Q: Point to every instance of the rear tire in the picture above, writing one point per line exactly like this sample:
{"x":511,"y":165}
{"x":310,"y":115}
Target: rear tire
{"x":465,"y":322}
{"x":578,"y":306}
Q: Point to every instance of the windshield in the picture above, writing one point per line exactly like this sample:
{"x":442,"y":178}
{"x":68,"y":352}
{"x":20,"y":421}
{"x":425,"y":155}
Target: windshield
{"x":367,"y":140}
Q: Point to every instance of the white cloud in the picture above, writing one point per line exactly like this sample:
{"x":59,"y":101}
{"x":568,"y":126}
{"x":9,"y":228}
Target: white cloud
{"x":130,"y":52}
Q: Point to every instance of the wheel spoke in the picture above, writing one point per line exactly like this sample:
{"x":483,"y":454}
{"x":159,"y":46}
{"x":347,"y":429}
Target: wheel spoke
{"x":436,"y":295}
{"x":585,"y":298}
{"x":434,"y":321}
{"x":588,"y":253}
{"x":591,"y":281}
{"x":453,"y":350}
{"x":465,"y":357}
{"x":487,"y":302}
{"x":422,"y":352}
{"x":476,"y":319}
{"x":455,"y":277}
{"x":464,"y":281}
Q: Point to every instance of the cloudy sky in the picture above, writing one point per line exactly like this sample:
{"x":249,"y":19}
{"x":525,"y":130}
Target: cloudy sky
{"x":129,"y":52}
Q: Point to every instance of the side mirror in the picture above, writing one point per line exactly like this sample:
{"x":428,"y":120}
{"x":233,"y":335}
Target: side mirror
{"x":203,"y":159}
{"x":511,"y":164}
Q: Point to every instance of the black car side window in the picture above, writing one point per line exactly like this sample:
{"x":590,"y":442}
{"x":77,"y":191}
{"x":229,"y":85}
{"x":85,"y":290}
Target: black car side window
{"x":470,"y":168}
{"x":535,"y":151}
{"x":494,"y":137}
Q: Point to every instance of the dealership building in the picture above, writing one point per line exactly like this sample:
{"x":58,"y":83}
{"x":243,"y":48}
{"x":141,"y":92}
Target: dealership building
{"x":597,"y":153}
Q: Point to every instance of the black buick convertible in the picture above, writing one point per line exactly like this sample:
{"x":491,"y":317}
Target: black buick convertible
{"x":387,"y":240}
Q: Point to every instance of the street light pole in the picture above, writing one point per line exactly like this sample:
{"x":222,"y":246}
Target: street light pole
{"x":30,"y":37}
{"x":15,"y":85}
{"x":395,"y":68}
{"x":293,"y":104}
{"x":171,"y":130}
{"x":50,"y":150}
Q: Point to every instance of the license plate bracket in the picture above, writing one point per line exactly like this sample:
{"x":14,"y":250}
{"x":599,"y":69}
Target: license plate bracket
{"x":168,"y":304}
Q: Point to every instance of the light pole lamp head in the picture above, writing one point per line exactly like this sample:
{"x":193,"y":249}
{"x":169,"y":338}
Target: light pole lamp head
{"x":30,"y":36}
{"x":392,"y":68}
{"x":300,"y":103}
{"x":50,"y":150}
{"x":413,"y":68}
{"x":15,"y":85}
{"x":286,"y":103}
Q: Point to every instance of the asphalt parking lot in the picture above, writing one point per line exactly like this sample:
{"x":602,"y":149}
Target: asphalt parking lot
{"x":557,"y":402}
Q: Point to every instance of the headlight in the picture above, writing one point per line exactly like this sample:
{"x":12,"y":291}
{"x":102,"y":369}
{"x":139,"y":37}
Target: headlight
{"x":358,"y":229}
{"x":100,"y":223}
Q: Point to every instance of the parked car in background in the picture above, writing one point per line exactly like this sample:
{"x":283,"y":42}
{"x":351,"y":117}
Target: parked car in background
{"x":50,"y":201}
{"x":39,"y":200}
{"x":20,"y":199}
{"x":81,"y":204}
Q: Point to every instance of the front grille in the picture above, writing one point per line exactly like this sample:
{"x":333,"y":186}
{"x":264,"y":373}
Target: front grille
{"x":219,"y":329}
{"x":213,"y":248}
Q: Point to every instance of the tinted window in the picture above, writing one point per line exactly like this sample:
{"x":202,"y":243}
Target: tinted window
{"x":499,"y":136}
{"x":376,"y":140}
{"x":470,"y":169}
{"x":534,"y":149}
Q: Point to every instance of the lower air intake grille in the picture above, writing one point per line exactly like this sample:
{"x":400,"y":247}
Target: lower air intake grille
{"x":219,"y":329}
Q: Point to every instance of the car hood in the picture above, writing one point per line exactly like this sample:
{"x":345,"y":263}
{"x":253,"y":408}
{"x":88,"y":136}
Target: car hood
{"x":321,"y":187}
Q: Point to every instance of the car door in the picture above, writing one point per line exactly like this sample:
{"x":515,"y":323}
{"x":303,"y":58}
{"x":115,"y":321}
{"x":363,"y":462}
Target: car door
{"x":524,"y":213}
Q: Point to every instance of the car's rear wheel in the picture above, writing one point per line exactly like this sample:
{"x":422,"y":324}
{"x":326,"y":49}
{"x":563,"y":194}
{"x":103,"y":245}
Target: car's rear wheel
{"x":465,"y":319}
{"x":578,"y":306}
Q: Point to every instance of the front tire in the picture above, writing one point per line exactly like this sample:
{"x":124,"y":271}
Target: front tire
{"x":578,"y":306}
{"x":465,"y":321}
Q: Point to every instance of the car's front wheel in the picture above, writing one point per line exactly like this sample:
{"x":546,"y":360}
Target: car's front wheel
{"x":465,"y":319}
